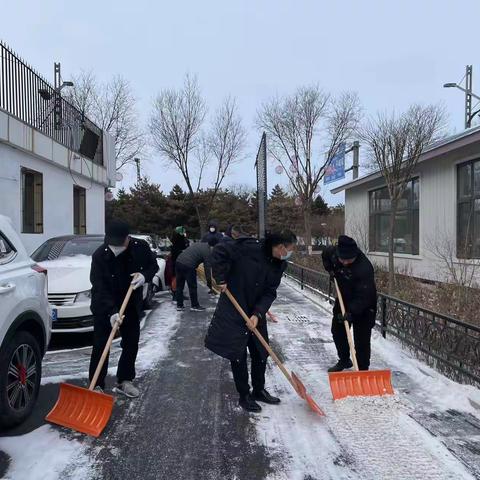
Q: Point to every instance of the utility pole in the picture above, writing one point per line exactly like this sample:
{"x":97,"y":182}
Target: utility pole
{"x":57,"y":100}
{"x":139,"y":176}
{"x":355,"y":148}
{"x":469,"y":95}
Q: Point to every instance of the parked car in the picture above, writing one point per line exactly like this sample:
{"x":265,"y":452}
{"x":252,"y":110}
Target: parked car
{"x":68,"y":260}
{"x":25,"y":327}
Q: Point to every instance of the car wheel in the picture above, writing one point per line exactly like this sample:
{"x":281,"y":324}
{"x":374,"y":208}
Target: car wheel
{"x":148,"y":301}
{"x":20,"y":374}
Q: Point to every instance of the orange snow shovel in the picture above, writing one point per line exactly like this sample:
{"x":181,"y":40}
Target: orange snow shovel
{"x":293,"y":379}
{"x":358,"y":383}
{"x":84,"y":409}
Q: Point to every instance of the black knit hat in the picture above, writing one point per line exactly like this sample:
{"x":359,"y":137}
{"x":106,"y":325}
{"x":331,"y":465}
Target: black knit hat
{"x":116,"y":232}
{"x":346,"y":248}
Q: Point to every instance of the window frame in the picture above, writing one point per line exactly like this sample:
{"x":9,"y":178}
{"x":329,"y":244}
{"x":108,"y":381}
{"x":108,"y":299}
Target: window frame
{"x":10,"y":258}
{"x":37,"y":214}
{"x":468,"y":253}
{"x":412,"y":212}
{"x":79,"y":193}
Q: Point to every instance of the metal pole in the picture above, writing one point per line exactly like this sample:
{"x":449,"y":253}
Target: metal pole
{"x":139,"y":177}
{"x":468,"y":96}
{"x":355,"y":148}
{"x":384,"y":317}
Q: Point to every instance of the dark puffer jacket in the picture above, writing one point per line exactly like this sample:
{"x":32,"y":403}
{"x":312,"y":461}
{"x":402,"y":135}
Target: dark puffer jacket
{"x":252,"y":276}
{"x":356,"y":283}
{"x":110,"y":277}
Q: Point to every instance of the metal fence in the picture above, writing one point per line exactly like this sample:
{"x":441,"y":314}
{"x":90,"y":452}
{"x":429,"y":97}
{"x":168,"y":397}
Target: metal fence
{"x":261,"y":166}
{"x":29,"y":97}
{"x":445,"y":343}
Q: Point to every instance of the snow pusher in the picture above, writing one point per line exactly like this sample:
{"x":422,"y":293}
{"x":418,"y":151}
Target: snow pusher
{"x":292,"y":378}
{"x":358,"y":383}
{"x":86,"y":410}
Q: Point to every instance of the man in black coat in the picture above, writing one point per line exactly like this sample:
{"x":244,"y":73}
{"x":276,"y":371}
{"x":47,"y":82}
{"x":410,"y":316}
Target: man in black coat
{"x":252,"y":271}
{"x":119,"y":262}
{"x":355,"y":277}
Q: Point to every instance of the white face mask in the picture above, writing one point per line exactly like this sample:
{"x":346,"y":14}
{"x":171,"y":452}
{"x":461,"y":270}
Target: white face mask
{"x":117,"y":250}
{"x":212,"y":229}
{"x":287,"y":256}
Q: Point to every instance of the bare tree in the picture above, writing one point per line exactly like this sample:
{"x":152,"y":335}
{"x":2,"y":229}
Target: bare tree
{"x":302,"y":126}
{"x":358,"y":229}
{"x":176,"y":129}
{"x":395,"y":144}
{"x":112,"y":106}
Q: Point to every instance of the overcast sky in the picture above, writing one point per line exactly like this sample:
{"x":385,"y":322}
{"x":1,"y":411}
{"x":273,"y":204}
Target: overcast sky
{"x":393,"y":53}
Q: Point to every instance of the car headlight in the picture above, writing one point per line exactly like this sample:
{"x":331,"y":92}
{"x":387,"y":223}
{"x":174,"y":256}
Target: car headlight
{"x":83,"y":296}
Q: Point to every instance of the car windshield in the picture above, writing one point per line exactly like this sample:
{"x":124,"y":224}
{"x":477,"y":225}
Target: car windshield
{"x":53,"y":249}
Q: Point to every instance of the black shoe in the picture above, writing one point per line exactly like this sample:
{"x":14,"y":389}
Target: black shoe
{"x":249,"y":404}
{"x":180,"y":308}
{"x":265,"y":397}
{"x":341,"y":365}
{"x":198,"y":308}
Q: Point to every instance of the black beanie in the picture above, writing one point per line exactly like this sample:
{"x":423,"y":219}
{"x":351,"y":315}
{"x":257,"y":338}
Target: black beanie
{"x":346,"y":248}
{"x":116,"y":232}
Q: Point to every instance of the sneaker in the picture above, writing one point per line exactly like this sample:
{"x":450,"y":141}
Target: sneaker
{"x":98,"y":389}
{"x":127,"y":388}
{"x":180,"y":308}
{"x":198,"y":308}
{"x":249,"y":404}
{"x":265,"y":397}
{"x":341,"y":365}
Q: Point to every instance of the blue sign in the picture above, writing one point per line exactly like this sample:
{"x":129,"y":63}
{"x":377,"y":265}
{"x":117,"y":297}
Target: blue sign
{"x":336,"y":168}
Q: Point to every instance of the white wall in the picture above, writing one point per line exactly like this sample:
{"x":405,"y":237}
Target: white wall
{"x":21,"y":146}
{"x":437,"y":216}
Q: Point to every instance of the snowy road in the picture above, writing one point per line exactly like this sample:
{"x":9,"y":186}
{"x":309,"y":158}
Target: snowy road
{"x":186,"y":425}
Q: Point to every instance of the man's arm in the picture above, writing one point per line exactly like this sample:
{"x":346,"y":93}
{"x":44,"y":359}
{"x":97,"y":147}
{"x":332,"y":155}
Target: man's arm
{"x":364,"y":292}
{"x":221,"y":261}
{"x":269,"y":293}
{"x":151,"y":267}
{"x":328,"y":256}
{"x":101,"y":293}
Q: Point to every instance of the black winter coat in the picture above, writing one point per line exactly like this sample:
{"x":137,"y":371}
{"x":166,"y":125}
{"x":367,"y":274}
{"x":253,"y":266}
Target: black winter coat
{"x":212,"y":237}
{"x":252,"y":276}
{"x":356,"y":283}
{"x":110,"y":277}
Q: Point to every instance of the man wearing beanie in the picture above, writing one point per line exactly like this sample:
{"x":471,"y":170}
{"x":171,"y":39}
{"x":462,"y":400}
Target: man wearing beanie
{"x":119,"y":262}
{"x":355,"y":277}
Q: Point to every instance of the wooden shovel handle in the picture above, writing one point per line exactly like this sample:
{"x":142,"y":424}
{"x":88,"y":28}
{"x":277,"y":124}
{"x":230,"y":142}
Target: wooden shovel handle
{"x":260,"y":337}
{"x":108,"y":345}
{"x":353,"y":353}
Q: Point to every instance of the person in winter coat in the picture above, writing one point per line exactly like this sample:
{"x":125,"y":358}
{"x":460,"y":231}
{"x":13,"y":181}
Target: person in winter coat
{"x":231,"y":233}
{"x":179,"y":243}
{"x":186,"y":271}
{"x":119,"y":262}
{"x":212,"y":238}
{"x":355,"y":277}
{"x":252,"y":271}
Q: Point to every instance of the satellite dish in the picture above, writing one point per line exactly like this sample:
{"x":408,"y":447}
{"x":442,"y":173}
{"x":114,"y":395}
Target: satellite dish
{"x":109,"y":196}
{"x":119,"y":176}
{"x":279,"y":169}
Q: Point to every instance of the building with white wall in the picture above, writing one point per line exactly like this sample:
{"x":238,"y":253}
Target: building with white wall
{"x":438,"y":220}
{"x":54,"y":163}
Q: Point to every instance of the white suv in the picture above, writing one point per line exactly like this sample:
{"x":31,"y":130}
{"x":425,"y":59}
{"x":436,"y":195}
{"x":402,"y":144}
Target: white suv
{"x":25,"y":327}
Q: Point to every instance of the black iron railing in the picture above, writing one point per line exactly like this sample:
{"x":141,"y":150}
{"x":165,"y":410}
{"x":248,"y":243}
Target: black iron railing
{"x":29,"y":97}
{"x":445,"y":343}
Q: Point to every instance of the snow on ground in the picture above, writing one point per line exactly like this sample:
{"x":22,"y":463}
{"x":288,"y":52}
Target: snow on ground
{"x":46,"y":453}
{"x":43,"y":454}
{"x":360,"y":438}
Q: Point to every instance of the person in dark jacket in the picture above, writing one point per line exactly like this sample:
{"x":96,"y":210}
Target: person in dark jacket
{"x":231,"y":233}
{"x":212,"y":238}
{"x":119,"y":262}
{"x":355,"y":277}
{"x":179,"y":243}
{"x":186,"y":271}
{"x":252,"y":271}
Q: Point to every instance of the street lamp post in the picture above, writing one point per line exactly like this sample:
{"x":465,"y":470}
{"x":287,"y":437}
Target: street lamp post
{"x":468,"y":95}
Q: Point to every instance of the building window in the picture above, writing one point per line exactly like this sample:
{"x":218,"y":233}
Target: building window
{"x":32,"y":201}
{"x":468,"y":210}
{"x":79,"y":211}
{"x":405,"y":238}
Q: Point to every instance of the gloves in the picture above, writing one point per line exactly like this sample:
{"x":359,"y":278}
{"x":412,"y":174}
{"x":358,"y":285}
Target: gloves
{"x":341,"y":318}
{"x":114,"y":319}
{"x":138,"y":280}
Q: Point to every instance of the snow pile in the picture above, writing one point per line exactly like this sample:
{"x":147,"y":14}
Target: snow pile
{"x":44,"y":455}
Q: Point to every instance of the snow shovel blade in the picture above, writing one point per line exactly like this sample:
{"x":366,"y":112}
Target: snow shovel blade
{"x":80,"y":409}
{"x":361,"y":384}
{"x":299,"y":386}
{"x":313,"y":405}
